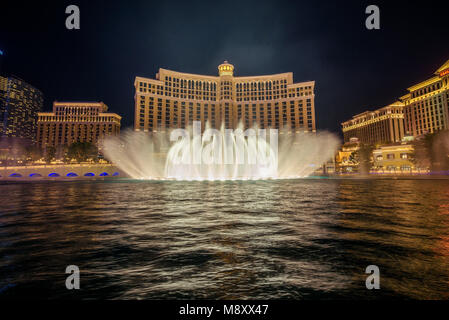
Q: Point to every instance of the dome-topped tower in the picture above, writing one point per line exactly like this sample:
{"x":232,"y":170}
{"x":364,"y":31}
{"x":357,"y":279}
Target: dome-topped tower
{"x":226,"y":69}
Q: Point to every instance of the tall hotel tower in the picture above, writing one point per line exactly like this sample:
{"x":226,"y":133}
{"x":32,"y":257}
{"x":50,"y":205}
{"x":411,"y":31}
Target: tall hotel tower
{"x":19,"y":104}
{"x":175,"y":100}
{"x":427,"y":104}
{"x":425,"y":109}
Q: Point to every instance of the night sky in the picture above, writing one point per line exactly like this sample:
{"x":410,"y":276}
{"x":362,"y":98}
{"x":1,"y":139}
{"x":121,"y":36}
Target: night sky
{"x":355,"y":69}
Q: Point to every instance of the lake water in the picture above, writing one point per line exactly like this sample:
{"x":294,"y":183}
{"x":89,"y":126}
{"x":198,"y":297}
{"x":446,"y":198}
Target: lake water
{"x":291,"y":239}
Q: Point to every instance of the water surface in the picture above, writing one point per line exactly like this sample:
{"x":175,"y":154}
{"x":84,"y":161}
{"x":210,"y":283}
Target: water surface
{"x":290,"y":239}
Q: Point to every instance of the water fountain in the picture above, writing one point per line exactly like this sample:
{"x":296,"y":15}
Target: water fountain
{"x":224,"y":154}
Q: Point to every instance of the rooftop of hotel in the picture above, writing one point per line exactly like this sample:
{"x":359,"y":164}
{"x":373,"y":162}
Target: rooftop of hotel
{"x":374,"y":112}
{"x":440,"y":72}
{"x":224,"y":69}
{"x":80,"y":104}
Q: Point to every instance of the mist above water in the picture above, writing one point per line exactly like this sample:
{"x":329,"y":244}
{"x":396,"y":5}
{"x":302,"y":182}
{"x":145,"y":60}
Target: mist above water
{"x":239,"y":154}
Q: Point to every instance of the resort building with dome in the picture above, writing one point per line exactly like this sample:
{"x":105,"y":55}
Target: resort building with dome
{"x":175,"y":99}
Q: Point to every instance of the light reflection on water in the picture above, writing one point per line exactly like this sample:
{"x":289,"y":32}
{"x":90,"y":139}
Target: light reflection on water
{"x":293,"y":239}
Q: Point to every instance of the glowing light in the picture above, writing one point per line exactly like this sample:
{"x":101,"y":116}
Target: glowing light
{"x":33,"y":175}
{"x":72,"y":174}
{"x":226,"y":69}
{"x":15,"y":175}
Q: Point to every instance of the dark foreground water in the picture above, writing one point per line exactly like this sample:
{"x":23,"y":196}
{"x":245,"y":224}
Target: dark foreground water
{"x":299,"y":239}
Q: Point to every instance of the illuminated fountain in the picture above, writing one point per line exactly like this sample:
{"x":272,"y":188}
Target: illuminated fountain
{"x":223,"y":154}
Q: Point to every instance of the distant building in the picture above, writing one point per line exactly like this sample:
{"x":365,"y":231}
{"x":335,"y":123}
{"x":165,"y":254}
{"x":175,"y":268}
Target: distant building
{"x":385,"y":125}
{"x":19,"y":104}
{"x":175,"y":100}
{"x":343,"y":159}
{"x":425,"y":109}
{"x":76,"y":122}
{"x":426,"y":105}
{"x":394,"y":159}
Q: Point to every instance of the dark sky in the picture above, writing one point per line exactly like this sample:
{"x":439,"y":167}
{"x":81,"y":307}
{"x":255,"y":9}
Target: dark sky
{"x":355,"y":69}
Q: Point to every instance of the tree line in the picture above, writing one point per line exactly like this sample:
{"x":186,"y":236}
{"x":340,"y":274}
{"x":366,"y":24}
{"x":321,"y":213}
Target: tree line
{"x":77,"y":151}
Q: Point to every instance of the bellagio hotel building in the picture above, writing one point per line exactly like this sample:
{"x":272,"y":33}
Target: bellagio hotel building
{"x":175,"y":100}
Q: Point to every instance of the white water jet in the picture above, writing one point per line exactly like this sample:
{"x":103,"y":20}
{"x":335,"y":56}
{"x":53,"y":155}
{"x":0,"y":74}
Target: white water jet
{"x":223,"y":154}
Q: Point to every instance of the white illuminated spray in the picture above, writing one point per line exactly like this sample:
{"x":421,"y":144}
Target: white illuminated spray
{"x":223,"y":154}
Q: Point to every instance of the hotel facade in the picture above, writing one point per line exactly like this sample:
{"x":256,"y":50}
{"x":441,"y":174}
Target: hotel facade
{"x":20,"y":103}
{"x":385,"y":125}
{"x":425,"y":109}
{"x":175,"y":100}
{"x":394,"y":159}
{"x":427,"y":104}
{"x":76,"y":122}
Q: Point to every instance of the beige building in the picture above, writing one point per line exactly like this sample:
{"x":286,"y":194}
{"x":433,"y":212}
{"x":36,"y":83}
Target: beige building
{"x":426,"y":105}
{"x":385,"y":125}
{"x":394,"y":159}
{"x":344,"y":162}
{"x":76,"y":121}
{"x":175,"y":100}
